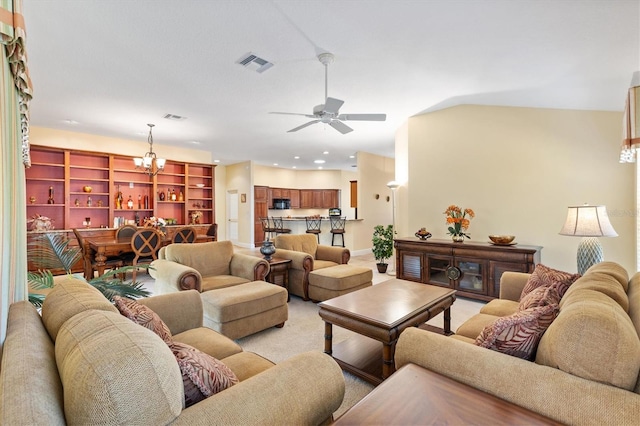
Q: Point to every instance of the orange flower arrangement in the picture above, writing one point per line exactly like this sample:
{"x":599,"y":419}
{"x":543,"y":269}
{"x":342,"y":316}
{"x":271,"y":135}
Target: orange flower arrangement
{"x":457,"y":218}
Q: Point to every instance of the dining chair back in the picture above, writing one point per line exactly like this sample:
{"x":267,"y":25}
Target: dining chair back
{"x":337,"y":227}
{"x":185,"y":234}
{"x":267,"y":228}
{"x":125,"y":232}
{"x":88,"y":264}
{"x":278,"y":226}
{"x":145,"y":244}
{"x":313,"y":226}
{"x":213,"y":231}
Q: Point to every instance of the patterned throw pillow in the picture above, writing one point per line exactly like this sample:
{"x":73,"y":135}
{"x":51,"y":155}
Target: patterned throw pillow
{"x":143,"y":316}
{"x":541,"y":296}
{"x":518,"y":334}
{"x":202,"y":374}
{"x":545,"y":276}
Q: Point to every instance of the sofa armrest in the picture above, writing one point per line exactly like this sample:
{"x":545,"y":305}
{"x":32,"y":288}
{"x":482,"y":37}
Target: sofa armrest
{"x":299,"y":259}
{"x":279,"y":395}
{"x":252,"y":268}
{"x":340,"y":255}
{"x":181,"y":311}
{"x":549,"y":391}
{"x":511,"y":285}
{"x":173,"y":276}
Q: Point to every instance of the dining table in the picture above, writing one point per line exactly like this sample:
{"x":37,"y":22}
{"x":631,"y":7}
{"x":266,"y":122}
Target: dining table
{"x":102,"y":248}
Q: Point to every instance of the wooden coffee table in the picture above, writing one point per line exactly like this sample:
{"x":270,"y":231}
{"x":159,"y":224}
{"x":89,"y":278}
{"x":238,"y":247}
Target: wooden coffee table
{"x":379,"y":314}
{"x":417,"y":396}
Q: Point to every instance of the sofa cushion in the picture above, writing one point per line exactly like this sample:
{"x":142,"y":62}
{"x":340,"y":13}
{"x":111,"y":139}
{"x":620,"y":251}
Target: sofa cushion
{"x":544,"y":276}
{"x":68,"y":298}
{"x":211,"y":258}
{"x":540,"y":296}
{"x":518,"y":334}
{"x":208,"y":341}
{"x":306,"y":243}
{"x":202,"y":374}
{"x":144,"y":316}
{"x":499,"y":307}
{"x":322,"y":264}
{"x":472,"y":327}
{"x":115,"y":372}
{"x":215,"y":282}
{"x":247,"y":364}
{"x":598,"y":280}
{"x":593,"y":339}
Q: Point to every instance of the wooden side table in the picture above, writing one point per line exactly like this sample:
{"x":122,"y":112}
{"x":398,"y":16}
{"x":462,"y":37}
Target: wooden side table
{"x":279,"y":272}
{"x":415,"y":395}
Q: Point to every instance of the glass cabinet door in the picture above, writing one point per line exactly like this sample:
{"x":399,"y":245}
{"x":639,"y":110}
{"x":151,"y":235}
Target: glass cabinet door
{"x":471,"y":275}
{"x":437,"y":270}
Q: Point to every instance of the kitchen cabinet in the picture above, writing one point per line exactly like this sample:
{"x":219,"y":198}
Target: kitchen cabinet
{"x":472,"y":268}
{"x":295,"y":198}
{"x":353,"y":194}
{"x":329,"y":198}
{"x":260,"y":200}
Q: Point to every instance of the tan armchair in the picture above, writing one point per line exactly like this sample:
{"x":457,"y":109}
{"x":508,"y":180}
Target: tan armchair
{"x":307,"y":255}
{"x":204,"y":267}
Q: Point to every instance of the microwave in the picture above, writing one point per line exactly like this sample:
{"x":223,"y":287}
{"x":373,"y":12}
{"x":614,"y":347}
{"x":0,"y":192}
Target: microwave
{"x":335,"y":211}
{"x":281,"y":203}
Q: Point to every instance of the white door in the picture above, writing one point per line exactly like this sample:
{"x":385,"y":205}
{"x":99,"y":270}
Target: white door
{"x":232,"y":216}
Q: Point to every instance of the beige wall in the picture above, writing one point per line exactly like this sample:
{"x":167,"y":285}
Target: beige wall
{"x":239,"y":178}
{"x":519,"y":169}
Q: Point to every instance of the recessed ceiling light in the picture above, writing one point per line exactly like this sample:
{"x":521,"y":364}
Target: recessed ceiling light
{"x":216,"y":161}
{"x":72,"y":122}
{"x":326,"y":152}
{"x":320,"y":168}
{"x":294,"y":167}
{"x":195,"y":142}
{"x":297,"y":157}
{"x":352,"y":156}
{"x":275,"y":164}
{"x":319,"y":161}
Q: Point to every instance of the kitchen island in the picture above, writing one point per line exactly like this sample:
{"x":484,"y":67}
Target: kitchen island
{"x":298,"y":225}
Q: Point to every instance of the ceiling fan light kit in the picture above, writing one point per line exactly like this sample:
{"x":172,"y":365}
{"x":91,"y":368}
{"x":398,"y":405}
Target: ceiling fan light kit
{"x":329,"y":112}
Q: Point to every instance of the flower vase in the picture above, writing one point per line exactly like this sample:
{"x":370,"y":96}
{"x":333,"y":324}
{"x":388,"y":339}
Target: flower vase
{"x":457,"y":238}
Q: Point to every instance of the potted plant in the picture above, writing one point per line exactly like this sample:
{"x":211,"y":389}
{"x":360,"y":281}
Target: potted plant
{"x":52,"y":250}
{"x":382,"y":246}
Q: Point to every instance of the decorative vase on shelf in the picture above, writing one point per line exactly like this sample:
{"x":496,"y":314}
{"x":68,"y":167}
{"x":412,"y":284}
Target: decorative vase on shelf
{"x":457,"y":238}
{"x":267,"y":249}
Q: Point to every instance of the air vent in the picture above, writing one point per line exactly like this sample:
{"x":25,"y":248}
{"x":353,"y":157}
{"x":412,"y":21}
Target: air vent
{"x":174,"y":117}
{"x":251,"y":60}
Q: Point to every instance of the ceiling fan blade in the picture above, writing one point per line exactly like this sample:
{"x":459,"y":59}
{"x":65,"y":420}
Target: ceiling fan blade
{"x":294,"y":113}
{"x":340,"y":126}
{"x":304,"y":125}
{"x":332,"y":105}
{"x":362,"y":117}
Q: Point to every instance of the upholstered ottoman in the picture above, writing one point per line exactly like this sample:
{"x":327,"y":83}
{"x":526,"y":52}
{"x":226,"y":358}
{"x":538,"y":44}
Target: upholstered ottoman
{"x":244,"y":309}
{"x":334,"y":281}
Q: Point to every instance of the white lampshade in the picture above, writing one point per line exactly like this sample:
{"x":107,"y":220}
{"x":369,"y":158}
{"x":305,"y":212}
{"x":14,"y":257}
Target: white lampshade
{"x":160,"y":162}
{"x":588,"y":221}
{"x":137,"y":161}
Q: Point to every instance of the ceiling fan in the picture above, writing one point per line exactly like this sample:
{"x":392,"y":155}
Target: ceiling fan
{"x":328,"y":112}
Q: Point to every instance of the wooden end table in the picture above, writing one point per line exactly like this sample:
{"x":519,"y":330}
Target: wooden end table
{"x":379,"y":314}
{"x":415,"y":395}
{"x":279,"y":272}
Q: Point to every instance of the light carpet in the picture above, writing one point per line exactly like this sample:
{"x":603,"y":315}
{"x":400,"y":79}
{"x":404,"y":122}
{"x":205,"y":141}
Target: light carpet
{"x":303,"y":332}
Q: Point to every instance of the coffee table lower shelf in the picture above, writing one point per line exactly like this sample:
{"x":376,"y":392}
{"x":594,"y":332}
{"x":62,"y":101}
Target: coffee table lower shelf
{"x":360,"y":356}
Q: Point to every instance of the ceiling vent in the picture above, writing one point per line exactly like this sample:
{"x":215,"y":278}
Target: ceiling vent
{"x":250,"y":60}
{"x":174,"y":117}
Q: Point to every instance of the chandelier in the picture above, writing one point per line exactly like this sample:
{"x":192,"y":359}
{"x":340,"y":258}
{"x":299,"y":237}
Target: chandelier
{"x":150,"y":163}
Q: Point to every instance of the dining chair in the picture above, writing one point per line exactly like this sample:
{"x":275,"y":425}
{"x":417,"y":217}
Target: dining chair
{"x":145,"y":244}
{"x":125,"y":232}
{"x":213,"y":231}
{"x":186,"y":234}
{"x":278,"y":226}
{"x":88,"y":263}
{"x":337,"y":227}
{"x":313,"y":226}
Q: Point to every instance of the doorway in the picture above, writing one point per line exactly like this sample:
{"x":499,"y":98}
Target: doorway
{"x":232,"y":216}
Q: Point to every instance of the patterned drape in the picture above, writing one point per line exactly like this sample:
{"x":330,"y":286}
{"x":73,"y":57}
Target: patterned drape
{"x":13,"y":36}
{"x":15,"y":94}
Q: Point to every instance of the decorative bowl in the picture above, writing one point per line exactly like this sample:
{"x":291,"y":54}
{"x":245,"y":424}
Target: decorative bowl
{"x":87,"y":189}
{"x":502,"y":239}
{"x":200,"y":185}
{"x":423,"y":234}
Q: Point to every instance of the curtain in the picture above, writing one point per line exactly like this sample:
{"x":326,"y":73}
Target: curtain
{"x":15,"y":93}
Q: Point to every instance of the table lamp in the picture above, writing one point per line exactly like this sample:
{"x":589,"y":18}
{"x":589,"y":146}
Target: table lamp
{"x":589,"y":222}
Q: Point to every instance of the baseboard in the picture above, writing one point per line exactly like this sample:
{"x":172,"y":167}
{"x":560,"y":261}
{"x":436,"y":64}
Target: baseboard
{"x":362,"y":252}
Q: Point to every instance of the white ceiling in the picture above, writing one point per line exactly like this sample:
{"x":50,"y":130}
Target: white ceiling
{"x":114,"y":66}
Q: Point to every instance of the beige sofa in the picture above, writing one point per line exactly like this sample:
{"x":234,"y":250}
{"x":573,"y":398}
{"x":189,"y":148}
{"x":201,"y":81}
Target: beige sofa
{"x":204,"y":267}
{"x":307,"y":255}
{"x":587,"y":363}
{"x":84,"y":363}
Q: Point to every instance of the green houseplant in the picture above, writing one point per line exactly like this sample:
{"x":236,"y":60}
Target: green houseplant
{"x":382,"y":246}
{"x":52,"y":251}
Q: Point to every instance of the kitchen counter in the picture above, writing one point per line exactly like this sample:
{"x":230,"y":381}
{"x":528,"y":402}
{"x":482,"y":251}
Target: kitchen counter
{"x":298,"y":225}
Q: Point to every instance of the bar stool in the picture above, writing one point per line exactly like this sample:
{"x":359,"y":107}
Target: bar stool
{"x":278,"y":226}
{"x":313,"y":226}
{"x":267,"y":228}
{"x":337,"y":227}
